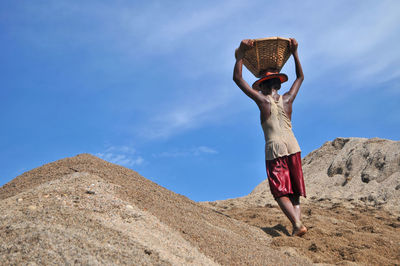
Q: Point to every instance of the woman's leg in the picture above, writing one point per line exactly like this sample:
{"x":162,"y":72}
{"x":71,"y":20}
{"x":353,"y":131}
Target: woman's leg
{"x":278,"y":177}
{"x":295,"y":199}
{"x":290,"y":206}
{"x":287,"y":207}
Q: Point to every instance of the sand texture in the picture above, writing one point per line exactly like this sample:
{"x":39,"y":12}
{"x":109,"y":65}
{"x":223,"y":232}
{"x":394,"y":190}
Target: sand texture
{"x":83,"y":210}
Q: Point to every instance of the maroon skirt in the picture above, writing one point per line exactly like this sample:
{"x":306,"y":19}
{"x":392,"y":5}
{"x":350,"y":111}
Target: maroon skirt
{"x":285,"y":176}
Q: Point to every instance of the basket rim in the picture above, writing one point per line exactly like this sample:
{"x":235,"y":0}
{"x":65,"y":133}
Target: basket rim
{"x":272,"y":38}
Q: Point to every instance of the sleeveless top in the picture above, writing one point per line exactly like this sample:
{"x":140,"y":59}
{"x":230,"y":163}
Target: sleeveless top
{"x":279,"y":138}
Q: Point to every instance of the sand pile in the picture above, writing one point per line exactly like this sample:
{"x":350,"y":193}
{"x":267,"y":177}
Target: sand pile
{"x":87,"y":211}
{"x":356,"y":170}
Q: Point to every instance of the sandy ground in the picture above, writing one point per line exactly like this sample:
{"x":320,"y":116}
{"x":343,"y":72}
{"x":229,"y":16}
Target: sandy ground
{"x":339,"y":233}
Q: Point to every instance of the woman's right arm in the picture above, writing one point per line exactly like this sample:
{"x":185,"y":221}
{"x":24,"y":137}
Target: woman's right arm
{"x":237,"y":72}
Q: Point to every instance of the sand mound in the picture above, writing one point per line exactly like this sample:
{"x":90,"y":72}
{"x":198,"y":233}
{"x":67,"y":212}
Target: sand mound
{"x":353,"y":169}
{"x":366,"y":170}
{"x":88,"y":211}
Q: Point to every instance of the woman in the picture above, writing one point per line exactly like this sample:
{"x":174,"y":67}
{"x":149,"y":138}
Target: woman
{"x":282,"y":152}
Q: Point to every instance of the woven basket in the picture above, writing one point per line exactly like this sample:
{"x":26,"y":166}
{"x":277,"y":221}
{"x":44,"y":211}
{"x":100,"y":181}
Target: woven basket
{"x":267,"y":54}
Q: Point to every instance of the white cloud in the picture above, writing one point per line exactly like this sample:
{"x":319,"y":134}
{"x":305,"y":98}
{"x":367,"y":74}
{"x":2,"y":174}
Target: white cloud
{"x":356,"y":39}
{"x":161,"y":28}
{"x":359,"y":38}
{"x":193,"y":111}
{"x":122,"y":155}
{"x":362,"y":42}
{"x":197,"y":151}
{"x":204,"y":149}
{"x":123,"y":149}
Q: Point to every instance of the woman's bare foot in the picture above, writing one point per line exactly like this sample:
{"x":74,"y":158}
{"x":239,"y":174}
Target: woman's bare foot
{"x":299,"y":230}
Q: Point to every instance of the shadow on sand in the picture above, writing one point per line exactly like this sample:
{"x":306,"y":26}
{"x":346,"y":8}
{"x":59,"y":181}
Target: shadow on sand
{"x":276,"y":230}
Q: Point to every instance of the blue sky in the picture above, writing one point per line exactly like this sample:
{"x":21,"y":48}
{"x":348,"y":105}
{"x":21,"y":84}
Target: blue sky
{"x":148,"y":84}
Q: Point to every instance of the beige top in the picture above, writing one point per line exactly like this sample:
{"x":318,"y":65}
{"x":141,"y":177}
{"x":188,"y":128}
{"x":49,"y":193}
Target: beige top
{"x":279,"y":138}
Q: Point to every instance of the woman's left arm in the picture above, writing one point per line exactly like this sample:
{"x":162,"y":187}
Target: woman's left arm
{"x":291,"y":94}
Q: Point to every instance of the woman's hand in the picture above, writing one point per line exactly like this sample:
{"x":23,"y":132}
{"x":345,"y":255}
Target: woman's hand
{"x":293,"y":45}
{"x":244,"y":46}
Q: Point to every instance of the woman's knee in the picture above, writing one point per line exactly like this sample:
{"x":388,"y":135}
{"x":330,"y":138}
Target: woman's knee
{"x":295,"y":199}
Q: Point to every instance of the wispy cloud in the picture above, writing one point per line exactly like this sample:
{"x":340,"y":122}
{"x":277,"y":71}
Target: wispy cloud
{"x":173,"y":23}
{"x":362,"y":41}
{"x":188,"y":113}
{"x":122,"y":155}
{"x":197,"y":40}
{"x":197,"y":151}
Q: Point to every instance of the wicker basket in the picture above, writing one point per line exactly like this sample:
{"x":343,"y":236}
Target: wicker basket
{"x":268,"y":54}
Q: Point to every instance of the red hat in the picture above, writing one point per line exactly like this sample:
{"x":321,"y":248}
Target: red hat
{"x":270,"y":75}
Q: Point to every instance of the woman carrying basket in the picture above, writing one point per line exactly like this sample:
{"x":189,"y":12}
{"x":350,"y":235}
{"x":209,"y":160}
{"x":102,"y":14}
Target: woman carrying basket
{"x":282,"y":152}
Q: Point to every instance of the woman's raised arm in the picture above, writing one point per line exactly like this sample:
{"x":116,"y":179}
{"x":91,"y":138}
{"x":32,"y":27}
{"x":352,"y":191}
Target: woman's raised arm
{"x":291,"y":94}
{"x":237,"y":72}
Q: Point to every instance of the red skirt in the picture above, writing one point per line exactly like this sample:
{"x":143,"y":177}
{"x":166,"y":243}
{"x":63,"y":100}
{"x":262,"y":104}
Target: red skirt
{"x":285,"y":176}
